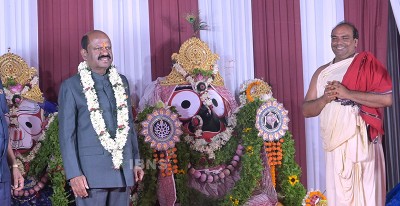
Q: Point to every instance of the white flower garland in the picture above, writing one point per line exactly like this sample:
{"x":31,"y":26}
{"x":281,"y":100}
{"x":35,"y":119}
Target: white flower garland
{"x":113,"y":146}
{"x":219,"y":140}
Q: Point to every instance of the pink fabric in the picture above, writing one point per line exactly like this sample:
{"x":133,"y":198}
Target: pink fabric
{"x":166,"y":192}
{"x":227,"y":95}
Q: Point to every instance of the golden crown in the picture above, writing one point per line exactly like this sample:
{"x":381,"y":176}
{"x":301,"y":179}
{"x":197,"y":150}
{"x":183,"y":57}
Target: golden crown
{"x":14,"y":67}
{"x":193,"y":54}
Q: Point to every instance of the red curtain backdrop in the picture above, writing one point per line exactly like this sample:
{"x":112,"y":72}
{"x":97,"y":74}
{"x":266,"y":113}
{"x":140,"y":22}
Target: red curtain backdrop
{"x":277,"y":60}
{"x":168,"y":30}
{"x":371,"y":19}
{"x":61,"y":26}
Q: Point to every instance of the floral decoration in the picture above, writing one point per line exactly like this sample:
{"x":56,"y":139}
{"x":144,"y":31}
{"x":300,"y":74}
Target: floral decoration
{"x":254,"y":88}
{"x":219,"y":140}
{"x":234,"y":200}
{"x":293,"y":179}
{"x":315,"y":198}
{"x":49,"y":159}
{"x":245,"y":137}
{"x":272,"y":120}
{"x":162,"y":129}
{"x":15,"y":90}
{"x":113,"y":145}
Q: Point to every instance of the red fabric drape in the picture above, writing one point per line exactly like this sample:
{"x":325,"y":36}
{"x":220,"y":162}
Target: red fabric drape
{"x":168,"y":30}
{"x":371,"y":19}
{"x":277,"y":60}
{"x":61,"y":26}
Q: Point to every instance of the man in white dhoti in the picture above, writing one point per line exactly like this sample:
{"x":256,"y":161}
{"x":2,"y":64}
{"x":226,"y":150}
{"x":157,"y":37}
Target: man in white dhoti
{"x":347,"y":94}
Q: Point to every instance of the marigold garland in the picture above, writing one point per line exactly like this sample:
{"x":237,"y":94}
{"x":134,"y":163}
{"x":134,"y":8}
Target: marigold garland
{"x":167,"y":162}
{"x":254,"y":89}
{"x":315,"y":198}
{"x":249,"y":88}
{"x":274,"y":154}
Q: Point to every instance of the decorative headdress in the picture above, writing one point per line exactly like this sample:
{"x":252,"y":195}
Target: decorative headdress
{"x":19,"y":79}
{"x":193,"y":54}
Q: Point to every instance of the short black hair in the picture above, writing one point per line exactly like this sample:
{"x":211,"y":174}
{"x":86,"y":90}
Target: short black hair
{"x":343,"y":23}
{"x":85,"y":42}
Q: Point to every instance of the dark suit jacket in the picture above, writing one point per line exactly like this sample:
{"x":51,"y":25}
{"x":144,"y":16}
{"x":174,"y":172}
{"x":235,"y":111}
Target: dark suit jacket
{"x":81,"y":149}
{"x":4,"y":169}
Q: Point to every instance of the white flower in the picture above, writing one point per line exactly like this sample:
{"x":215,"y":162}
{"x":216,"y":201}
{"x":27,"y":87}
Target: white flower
{"x":114,"y":146}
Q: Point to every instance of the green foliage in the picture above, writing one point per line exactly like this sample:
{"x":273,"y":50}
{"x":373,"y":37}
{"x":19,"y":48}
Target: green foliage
{"x":148,"y":185}
{"x":252,"y":167}
{"x":181,"y":180}
{"x":251,"y":163}
{"x":205,"y":73}
{"x":10,"y":82}
{"x":49,"y":157}
{"x":293,"y":194}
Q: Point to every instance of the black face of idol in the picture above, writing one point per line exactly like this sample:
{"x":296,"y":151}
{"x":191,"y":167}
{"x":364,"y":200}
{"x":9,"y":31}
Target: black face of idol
{"x":190,"y":108}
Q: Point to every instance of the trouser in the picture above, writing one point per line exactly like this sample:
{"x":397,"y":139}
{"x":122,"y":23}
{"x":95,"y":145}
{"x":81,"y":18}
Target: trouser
{"x":105,"y":197}
{"x":5,"y":193}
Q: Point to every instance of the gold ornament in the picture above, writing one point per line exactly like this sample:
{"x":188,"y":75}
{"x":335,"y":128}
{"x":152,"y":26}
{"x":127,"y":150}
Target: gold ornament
{"x":34,"y":94}
{"x":193,"y":54}
{"x":14,"y":67}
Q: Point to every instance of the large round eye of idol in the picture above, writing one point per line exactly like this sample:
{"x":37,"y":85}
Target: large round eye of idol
{"x":218,"y":106}
{"x":31,"y":123}
{"x":187,"y":102}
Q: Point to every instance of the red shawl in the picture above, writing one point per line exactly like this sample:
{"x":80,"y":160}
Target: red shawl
{"x":367,"y":74}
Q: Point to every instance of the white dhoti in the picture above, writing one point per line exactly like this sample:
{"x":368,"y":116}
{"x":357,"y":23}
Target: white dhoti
{"x":355,"y":167}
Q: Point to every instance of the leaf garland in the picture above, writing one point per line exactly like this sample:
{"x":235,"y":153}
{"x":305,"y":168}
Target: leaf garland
{"x":251,"y":162}
{"x":49,"y":157}
{"x":293,"y":194}
{"x":148,"y":185}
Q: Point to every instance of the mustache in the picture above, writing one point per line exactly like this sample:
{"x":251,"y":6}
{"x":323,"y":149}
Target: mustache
{"x":102,"y":56}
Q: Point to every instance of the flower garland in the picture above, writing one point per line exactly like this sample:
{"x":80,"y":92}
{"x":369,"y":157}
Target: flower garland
{"x":314,"y":198}
{"x":219,"y":140}
{"x":16,"y":91}
{"x":114,"y":146}
{"x":246,"y":91}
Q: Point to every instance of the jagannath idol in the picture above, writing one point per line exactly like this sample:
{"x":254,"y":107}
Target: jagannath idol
{"x":191,"y":139}
{"x":27,"y":124}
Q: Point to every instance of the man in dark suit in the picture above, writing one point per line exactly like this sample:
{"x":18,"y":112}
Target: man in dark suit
{"x":7,"y":157}
{"x":97,"y":138}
